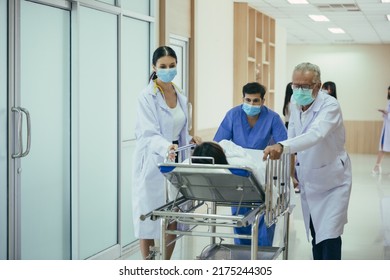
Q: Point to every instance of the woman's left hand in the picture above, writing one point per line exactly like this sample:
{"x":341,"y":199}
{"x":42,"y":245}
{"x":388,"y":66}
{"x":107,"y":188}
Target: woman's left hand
{"x":171,"y":152}
{"x":196,"y":140}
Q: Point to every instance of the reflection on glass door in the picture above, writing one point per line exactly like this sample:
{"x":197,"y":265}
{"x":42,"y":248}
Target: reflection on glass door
{"x":97,"y":135}
{"x":136,"y":78}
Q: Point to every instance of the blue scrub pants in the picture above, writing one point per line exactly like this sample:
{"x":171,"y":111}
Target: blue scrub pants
{"x":329,"y":249}
{"x":265,"y":235}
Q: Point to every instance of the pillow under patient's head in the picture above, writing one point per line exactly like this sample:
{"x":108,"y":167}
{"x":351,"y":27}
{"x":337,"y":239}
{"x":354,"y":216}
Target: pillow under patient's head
{"x":209,"y":149}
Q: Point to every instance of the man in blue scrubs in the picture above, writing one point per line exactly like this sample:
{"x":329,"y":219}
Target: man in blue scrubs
{"x":252,"y":125}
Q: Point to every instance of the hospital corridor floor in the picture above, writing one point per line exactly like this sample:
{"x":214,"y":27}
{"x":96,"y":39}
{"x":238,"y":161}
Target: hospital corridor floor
{"x":367,"y":233}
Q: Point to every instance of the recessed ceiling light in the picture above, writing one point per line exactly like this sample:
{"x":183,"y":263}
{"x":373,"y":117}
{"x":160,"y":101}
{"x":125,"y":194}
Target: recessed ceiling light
{"x":336,"y":30}
{"x":388,"y":17}
{"x":385,"y":1}
{"x":318,"y":18}
{"x":297,"y":1}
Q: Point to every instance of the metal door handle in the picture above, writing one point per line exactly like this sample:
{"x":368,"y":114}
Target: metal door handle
{"x":19,"y":129}
{"x":25,"y":153}
{"x":20,"y":152}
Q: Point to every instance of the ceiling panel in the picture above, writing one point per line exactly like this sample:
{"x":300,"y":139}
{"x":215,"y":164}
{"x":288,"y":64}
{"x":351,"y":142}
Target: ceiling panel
{"x":368,"y":25}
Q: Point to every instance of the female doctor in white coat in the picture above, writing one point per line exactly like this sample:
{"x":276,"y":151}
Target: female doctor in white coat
{"x":161,"y":126}
{"x":316,"y":133}
{"x":384,"y":141}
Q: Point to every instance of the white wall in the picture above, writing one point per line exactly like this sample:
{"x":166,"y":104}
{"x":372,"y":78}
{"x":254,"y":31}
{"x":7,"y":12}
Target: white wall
{"x":214,"y":61}
{"x":361,"y":74}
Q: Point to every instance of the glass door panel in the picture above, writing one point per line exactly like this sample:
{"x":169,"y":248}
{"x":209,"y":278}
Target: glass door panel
{"x":45,"y":93}
{"x":142,"y":7}
{"x":135,"y":70}
{"x":98,"y":132}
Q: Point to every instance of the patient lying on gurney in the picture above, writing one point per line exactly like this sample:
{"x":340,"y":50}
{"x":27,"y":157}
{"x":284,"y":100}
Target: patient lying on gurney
{"x":226,"y":152}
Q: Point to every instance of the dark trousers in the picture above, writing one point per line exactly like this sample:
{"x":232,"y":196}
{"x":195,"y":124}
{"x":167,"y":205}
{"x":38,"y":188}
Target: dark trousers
{"x":329,"y":249}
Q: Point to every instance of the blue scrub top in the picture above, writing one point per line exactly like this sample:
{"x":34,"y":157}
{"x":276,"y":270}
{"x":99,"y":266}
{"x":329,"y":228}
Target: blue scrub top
{"x":269,"y":129}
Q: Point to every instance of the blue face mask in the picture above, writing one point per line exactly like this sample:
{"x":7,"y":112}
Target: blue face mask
{"x":251,"y":110}
{"x":303,"y":97}
{"x":166,"y":75}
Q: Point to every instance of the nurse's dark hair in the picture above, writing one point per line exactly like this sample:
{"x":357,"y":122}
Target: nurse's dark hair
{"x":253,"y":88}
{"x":332,"y":86}
{"x":209,"y":149}
{"x":161,"y":52}
{"x":287,"y":98}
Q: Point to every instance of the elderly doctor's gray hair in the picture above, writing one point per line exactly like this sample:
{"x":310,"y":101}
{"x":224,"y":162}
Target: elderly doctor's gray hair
{"x":307,"y":66}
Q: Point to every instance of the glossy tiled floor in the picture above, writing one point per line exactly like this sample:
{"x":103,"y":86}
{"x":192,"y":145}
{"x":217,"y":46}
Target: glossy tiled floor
{"x":366,"y":236}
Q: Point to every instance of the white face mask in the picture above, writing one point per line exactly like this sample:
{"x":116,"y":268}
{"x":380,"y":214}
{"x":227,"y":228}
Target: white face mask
{"x":302,"y":96}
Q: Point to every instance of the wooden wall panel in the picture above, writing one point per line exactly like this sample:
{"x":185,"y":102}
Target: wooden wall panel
{"x":240,"y":48}
{"x":178,"y":18}
{"x":362,"y":137}
{"x":254,"y":51}
{"x":207,"y":134}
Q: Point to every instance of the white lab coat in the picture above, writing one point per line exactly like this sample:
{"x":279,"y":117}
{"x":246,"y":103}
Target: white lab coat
{"x":385,"y":127}
{"x":153,"y":132}
{"x":324,"y":170}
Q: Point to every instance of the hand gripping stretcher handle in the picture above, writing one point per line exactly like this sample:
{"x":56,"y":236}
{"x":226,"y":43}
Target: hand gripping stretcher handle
{"x":183,"y":148}
{"x":180,"y":149}
{"x":143,"y":217}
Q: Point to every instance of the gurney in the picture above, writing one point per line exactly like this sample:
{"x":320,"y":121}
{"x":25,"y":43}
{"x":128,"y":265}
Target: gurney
{"x":225,"y":186}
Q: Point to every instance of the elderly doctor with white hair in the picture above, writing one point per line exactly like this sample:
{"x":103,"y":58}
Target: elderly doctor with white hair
{"x":316,"y":133}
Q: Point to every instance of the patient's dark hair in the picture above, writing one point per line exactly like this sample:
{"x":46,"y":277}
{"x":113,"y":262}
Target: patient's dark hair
{"x":209,"y":149}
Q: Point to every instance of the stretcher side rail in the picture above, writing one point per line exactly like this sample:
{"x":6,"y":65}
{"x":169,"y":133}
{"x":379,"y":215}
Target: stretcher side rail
{"x":210,"y":219}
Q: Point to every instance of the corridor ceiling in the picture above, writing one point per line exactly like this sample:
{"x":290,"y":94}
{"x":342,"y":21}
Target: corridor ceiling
{"x":364,"y":21}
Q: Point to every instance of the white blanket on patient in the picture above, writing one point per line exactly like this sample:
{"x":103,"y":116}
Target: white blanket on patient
{"x":236,"y":155}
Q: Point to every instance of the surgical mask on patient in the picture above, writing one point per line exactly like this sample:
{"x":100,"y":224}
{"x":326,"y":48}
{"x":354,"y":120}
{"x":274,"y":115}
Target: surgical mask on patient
{"x":251,"y":110}
{"x":303,"y":97}
{"x":166,"y":75}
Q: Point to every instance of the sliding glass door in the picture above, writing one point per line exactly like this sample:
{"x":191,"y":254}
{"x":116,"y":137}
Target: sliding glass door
{"x":67,"y":109}
{"x":41,"y":138}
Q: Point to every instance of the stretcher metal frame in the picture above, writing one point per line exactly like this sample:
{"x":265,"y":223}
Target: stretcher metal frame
{"x":216,"y":185}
